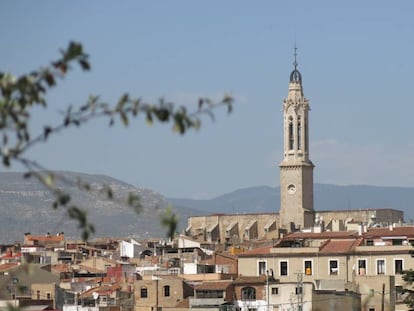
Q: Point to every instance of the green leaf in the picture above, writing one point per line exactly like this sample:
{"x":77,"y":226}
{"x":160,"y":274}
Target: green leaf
{"x":124,"y":118}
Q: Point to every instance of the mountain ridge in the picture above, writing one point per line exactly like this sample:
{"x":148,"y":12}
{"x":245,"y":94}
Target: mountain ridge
{"x":25,"y":205}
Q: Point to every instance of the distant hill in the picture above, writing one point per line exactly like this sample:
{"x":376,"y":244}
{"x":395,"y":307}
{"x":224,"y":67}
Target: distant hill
{"x":25,"y":206}
{"x":326,"y":197}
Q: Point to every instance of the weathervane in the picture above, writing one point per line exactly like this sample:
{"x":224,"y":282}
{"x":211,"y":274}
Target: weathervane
{"x":295,"y":63}
{"x":295,"y":76}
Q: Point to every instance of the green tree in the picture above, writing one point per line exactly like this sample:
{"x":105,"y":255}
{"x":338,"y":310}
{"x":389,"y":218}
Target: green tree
{"x":408,"y":291}
{"x":19,"y":95}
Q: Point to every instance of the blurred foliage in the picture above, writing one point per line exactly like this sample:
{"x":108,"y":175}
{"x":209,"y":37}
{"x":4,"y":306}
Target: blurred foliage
{"x":169,"y":221}
{"x":408,"y":291}
{"x":19,"y":95}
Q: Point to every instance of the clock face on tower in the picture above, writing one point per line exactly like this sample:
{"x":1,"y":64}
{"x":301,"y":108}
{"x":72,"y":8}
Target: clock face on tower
{"x":291,"y":189}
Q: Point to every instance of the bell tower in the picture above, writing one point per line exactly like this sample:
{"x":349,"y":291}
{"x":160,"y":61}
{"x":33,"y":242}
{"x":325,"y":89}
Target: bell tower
{"x":296,"y":169}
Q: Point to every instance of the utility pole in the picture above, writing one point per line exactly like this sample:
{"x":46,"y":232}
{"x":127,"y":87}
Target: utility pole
{"x":383,"y":297}
{"x":299,"y":290}
{"x":267,"y":290}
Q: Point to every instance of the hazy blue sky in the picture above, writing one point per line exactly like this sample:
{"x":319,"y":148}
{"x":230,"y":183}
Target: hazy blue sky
{"x":356,"y":60}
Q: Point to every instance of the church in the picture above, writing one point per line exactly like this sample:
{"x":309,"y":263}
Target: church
{"x":297,"y":212}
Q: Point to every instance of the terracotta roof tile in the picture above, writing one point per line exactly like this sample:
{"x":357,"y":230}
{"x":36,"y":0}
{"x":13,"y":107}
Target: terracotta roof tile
{"x":321,"y":235}
{"x":8,"y":266}
{"x":45,"y":238}
{"x":214,"y":285}
{"x":382,"y":232}
{"x":60,"y":268}
{"x":8,"y":256}
{"x":256,"y":251}
{"x":250,"y":279}
{"x":339,"y":246}
{"x":101,"y":290}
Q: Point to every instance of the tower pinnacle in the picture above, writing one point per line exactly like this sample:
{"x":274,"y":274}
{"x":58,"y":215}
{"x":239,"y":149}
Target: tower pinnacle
{"x":295,"y":76}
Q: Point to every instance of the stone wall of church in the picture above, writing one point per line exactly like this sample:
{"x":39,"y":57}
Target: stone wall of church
{"x":366,"y":216}
{"x":233,"y":228}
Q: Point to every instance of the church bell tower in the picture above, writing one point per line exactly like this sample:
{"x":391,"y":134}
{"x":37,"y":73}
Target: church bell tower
{"x":296,"y":169}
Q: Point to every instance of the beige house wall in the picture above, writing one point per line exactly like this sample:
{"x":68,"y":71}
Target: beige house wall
{"x":347,"y":264}
{"x":98,"y":263}
{"x":368,"y":284}
{"x":296,"y":264}
{"x":286,"y":296}
{"x":328,"y":300}
{"x":155,"y":293}
{"x":42,"y":291}
{"x":375,"y":288}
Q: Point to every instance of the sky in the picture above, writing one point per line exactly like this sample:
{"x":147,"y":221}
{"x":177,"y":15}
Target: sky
{"x":356,"y":60}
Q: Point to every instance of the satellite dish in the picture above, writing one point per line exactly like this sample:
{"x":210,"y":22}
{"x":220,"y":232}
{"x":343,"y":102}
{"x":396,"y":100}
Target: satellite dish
{"x":95,"y":295}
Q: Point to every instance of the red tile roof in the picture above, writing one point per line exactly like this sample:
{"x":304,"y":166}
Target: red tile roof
{"x":386,"y":232}
{"x":101,"y":290}
{"x":339,"y":246}
{"x":8,"y":256}
{"x":250,"y":279}
{"x":45,"y":238}
{"x":256,"y":251}
{"x":321,"y":235}
{"x":58,"y":268}
{"x":214,"y":285}
{"x":8,"y":266}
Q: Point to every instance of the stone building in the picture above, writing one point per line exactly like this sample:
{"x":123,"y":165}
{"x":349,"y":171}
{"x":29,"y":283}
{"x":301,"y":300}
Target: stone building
{"x":296,"y":190}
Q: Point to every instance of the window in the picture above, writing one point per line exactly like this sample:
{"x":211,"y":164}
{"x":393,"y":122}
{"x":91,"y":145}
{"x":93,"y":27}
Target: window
{"x":166,"y":291}
{"x":398,"y":266}
{"x":291,"y":139}
{"x":210,"y":294}
{"x":299,"y":134}
{"x":333,"y":267}
{"x":306,"y":135}
{"x":248,"y":293}
{"x":262,"y":267}
{"x":397,"y":242}
{"x":380,"y":266}
{"x":399,"y":291}
{"x":38,"y":294}
{"x":362,"y":266}
{"x":144,"y":292}
{"x":298,"y":290}
{"x":283,"y":268}
{"x":275,"y":290}
{"x":308,"y":267}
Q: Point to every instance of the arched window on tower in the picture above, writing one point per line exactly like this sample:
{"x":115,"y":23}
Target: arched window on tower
{"x":291,"y":138}
{"x":299,"y":134}
{"x":306,"y":136}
